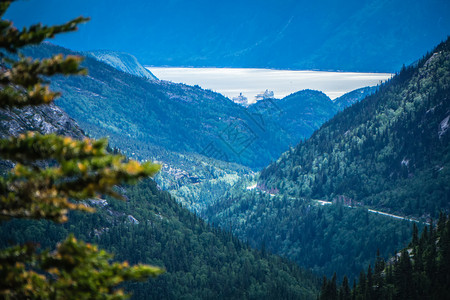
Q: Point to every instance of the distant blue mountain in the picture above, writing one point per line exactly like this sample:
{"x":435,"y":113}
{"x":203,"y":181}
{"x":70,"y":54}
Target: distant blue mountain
{"x":154,"y":117}
{"x":370,"y":35}
{"x":354,"y":96}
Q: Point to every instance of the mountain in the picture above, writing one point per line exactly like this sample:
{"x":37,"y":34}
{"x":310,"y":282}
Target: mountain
{"x":201,"y":262}
{"x":352,"y":97}
{"x":205,"y":142}
{"x":419,"y":271}
{"x":122,"y":61}
{"x":389,"y":151}
{"x":359,"y":182}
{"x":298,"y":114}
{"x":371,"y":36}
{"x":45,"y":119}
{"x":151,"y":227}
{"x":152,"y":117}
{"x":323,"y":236}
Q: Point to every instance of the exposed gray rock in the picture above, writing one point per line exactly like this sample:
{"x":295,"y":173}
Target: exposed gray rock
{"x":98,"y":202}
{"x":132,"y":220}
{"x":45,"y":119}
{"x":443,"y":126}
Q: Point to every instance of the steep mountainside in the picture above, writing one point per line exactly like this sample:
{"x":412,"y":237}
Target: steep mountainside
{"x":350,"y":35}
{"x":144,"y":116}
{"x":390,"y":151}
{"x":322,"y":236}
{"x":122,"y":61}
{"x":419,"y":271}
{"x":324,"y":203}
{"x":44,"y":119}
{"x":151,"y":227}
{"x":201,"y":262}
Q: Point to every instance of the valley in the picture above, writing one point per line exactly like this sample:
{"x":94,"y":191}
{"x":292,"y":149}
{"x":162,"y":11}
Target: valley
{"x":218,"y":141}
{"x":208,"y":167}
{"x":349,"y":205}
{"x":383,"y":155}
{"x":236,"y":183}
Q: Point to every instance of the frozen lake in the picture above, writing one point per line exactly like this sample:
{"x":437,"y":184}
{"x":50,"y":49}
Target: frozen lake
{"x":250,"y":82}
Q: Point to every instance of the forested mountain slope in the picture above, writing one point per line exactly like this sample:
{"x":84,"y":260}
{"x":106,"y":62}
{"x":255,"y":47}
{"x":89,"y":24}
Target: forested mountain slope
{"x":152,"y":116}
{"x":326,"y":238}
{"x":204,"y":140}
{"x":419,"y":271}
{"x":150,"y":226}
{"x":390,"y":151}
{"x":201,"y":262}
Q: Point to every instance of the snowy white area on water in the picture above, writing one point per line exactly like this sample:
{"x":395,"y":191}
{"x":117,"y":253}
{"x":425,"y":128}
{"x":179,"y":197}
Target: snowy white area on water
{"x":250,"y":82}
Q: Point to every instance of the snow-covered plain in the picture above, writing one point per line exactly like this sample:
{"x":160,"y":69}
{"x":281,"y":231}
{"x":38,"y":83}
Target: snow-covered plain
{"x":250,"y":82}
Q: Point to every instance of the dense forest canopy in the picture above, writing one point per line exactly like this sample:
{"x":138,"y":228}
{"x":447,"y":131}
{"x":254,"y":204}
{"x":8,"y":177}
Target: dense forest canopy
{"x":324,"y":206}
{"x":390,"y":151}
{"x":54,"y":177}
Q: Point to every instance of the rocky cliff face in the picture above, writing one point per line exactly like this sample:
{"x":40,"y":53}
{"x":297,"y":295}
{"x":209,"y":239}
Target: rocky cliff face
{"x":44,"y":119}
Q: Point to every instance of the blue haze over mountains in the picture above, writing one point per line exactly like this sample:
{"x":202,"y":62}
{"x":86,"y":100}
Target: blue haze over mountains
{"x":389,"y":152}
{"x":371,"y":35}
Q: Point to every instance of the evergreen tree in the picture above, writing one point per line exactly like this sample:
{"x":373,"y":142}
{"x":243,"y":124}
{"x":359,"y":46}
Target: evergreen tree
{"x":415,"y":237}
{"x":51,"y":175}
{"x":369,"y":290}
{"x":416,"y":272}
{"x":345,"y":292}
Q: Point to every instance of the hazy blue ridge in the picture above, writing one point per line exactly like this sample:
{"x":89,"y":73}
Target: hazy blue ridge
{"x":122,"y":61}
{"x":365,"y":36}
{"x":138,"y":115}
{"x":352,"y":97}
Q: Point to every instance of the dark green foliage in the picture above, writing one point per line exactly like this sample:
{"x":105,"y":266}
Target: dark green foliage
{"x":389,"y":151}
{"x":201,"y":261}
{"x":75,"y":270}
{"x":420,"y":271}
{"x":329,"y":290}
{"x":49,"y":176}
{"x":79,"y":170}
{"x":327,"y":239}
